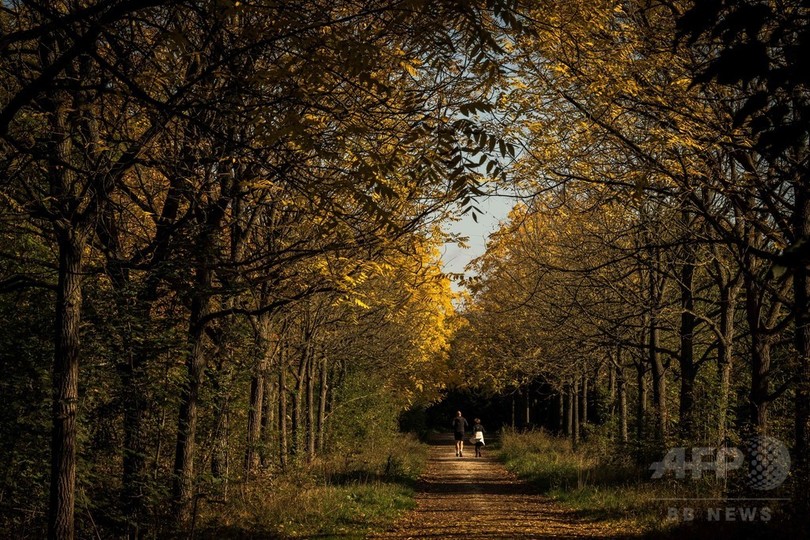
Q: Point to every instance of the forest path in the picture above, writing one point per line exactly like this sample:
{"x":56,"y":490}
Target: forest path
{"x":473,"y":497}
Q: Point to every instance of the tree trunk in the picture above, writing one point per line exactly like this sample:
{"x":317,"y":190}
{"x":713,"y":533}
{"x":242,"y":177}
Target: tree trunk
{"x":621,"y":387}
{"x":583,"y":406}
{"x":659,"y":383}
{"x":569,"y":412}
{"x":654,"y":356}
{"x":527,"y":394}
{"x":264,"y":350}
{"x":187,"y":418}
{"x":686,"y":357}
{"x":254,"y":427}
{"x":513,"y":410}
{"x":311,"y":427}
{"x":725,"y":357}
{"x":612,"y":385}
{"x":641,"y":404}
{"x":269,"y":427}
{"x":322,"y":400}
{"x":297,"y":434}
{"x":575,"y":406}
{"x":65,"y":384}
{"x":760,"y":358}
{"x":282,"y":409}
{"x":801,"y":292}
{"x":561,"y":411}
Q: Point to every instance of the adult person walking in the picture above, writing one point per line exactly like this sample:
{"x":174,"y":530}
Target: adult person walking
{"x":459,"y":425}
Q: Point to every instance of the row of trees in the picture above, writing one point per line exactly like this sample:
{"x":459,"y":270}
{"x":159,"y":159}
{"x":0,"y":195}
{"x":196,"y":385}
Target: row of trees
{"x":664,"y":244}
{"x":216,"y":215}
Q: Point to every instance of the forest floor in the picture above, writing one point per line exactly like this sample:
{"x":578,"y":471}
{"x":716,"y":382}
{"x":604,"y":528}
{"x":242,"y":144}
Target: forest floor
{"x":473,"y":497}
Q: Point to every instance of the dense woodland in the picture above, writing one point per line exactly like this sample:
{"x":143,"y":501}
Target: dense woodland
{"x":652,"y":286}
{"x":222,"y":223}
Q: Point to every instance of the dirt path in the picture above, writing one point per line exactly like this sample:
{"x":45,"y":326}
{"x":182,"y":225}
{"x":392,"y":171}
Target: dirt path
{"x":478,"y":498}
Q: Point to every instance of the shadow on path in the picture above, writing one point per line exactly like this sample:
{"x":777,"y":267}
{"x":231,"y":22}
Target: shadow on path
{"x":472,"y":497}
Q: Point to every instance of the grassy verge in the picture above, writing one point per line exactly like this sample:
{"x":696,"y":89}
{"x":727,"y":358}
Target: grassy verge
{"x":344,"y":496}
{"x":600,"y":482}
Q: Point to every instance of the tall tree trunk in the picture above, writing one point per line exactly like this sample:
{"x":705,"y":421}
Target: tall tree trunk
{"x":686,"y":357}
{"x":282,"y":408}
{"x":641,"y":404}
{"x":254,"y":427}
{"x":264,"y":351}
{"x":569,"y":411}
{"x":65,"y":384}
{"x":760,"y":358}
{"x":583,"y":407}
{"x":621,"y":388}
{"x":297,"y":434}
{"x":659,"y":385}
{"x":527,"y":401}
{"x":612,"y":386}
{"x":659,"y":381}
{"x":725,"y":356}
{"x":801,"y":293}
{"x":322,"y":401}
{"x":513,"y":410}
{"x":310,"y":384}
{"x":575,"y":406}
{"x":561,"y":411}
{"x":269,"y":427}
{"x":183,"y":485}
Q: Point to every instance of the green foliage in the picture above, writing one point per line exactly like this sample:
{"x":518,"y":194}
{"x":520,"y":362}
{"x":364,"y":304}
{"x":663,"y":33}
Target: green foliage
{"x":25,"y":357}
{"x":346,"y":496}
{"x":603,"y":481}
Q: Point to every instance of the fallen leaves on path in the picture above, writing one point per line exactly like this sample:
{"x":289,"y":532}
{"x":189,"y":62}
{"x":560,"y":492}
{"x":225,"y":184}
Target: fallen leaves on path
{"x":478,"y":498}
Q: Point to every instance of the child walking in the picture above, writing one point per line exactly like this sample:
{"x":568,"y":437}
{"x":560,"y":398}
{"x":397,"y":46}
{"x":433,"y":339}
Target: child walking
{"x":478,"y":436}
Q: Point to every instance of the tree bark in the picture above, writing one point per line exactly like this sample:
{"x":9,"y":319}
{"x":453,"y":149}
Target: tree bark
{"x":801,"y":292}
{"x":65,"y":384}
{"x":686,"y":357}
{"x":575,"y":415}
{"x":659,"y":386}
{"x":254,"y":427}
{"x":612,"y":385}
{"x":311,"y":426}
{"x":583,"y":407}
{"x":725,"y":356}
{"x":527,"y":401}
{"x":282,"y":408}
{"x":183,"y":485}
{"x":569,"y":412}
{"x":297,"y":434}
{"x":621,"y":388}
{"x":264,"y":350}
{"x":654,"y":356}
{"x":322,"y":401}
{"x":641,"y":404}
{"x":760,"y":358}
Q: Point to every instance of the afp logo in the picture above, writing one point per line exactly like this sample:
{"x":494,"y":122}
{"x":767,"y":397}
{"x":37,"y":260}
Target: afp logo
{"x":767,"y":460}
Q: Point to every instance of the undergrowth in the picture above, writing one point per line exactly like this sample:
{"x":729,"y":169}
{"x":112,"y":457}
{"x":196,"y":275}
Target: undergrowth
{"x":602,"y":481}
{"x":340,"y":496}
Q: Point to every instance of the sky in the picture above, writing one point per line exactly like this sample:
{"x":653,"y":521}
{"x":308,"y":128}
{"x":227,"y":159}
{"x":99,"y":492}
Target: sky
{"x":495,"y":209}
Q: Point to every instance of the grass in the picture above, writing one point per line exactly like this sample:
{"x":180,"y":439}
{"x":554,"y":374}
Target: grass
{"x":344,"y":496}
{"x":601,"y":482}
